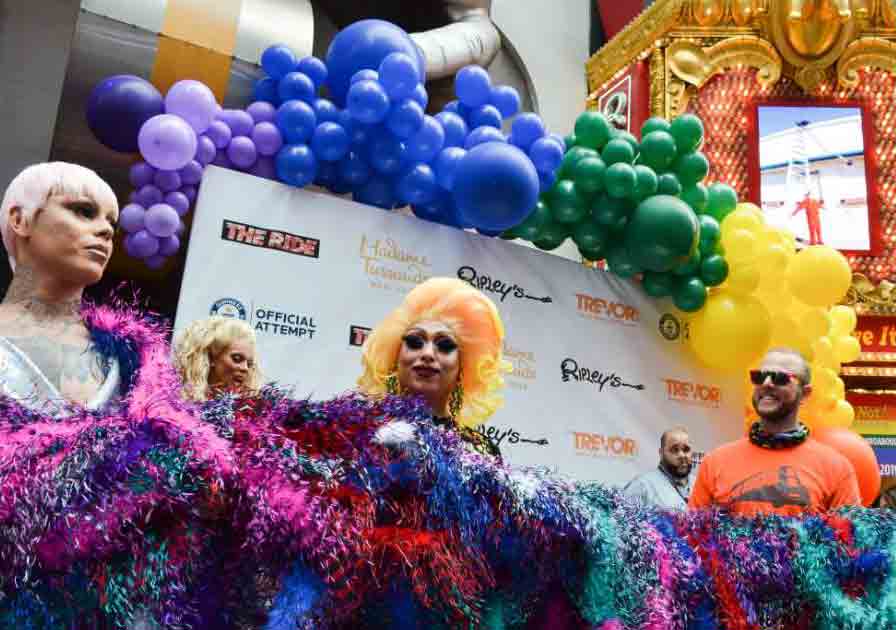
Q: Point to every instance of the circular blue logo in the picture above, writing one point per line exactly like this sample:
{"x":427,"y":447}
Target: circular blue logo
{"x":229,"y":307}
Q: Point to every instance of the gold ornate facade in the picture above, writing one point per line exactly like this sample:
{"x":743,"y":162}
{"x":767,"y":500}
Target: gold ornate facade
{"x":770,"y":49}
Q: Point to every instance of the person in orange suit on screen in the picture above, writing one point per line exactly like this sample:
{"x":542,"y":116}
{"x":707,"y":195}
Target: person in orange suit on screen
{"x":812,"y":209}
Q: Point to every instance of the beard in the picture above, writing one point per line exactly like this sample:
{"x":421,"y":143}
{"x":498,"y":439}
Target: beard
{"x":781,"y":413}
{"x":678,"y":471}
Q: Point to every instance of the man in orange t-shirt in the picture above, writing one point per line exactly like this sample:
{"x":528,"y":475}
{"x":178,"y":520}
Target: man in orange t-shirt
{"x":779,"y":468}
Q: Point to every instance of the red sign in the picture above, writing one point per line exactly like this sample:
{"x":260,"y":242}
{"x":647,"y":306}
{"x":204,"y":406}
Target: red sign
{"x":876,"y":334}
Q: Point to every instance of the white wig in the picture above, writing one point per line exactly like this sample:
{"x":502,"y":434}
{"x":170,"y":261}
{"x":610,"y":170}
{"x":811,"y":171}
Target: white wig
{"x":33,"y":186}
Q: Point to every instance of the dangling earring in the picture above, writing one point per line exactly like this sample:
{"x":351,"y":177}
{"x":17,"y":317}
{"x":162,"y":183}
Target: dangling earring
{"x":456,"y":399}
{"x":392,"y":383}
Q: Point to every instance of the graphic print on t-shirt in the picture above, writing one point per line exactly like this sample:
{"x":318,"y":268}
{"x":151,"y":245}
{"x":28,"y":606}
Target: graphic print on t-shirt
{"x":762,"y":487}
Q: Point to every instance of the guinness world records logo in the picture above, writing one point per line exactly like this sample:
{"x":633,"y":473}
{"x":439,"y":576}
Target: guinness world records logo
{"x":229,"y":307}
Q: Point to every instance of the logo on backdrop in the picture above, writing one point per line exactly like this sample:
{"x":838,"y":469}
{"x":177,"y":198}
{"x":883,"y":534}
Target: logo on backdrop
{"x":267,"y":320}
{"x":672,"y":328}
{"x":488,"y":284}
{"x":255,"y":236}
{"x":523,"y":364}
{"x":571,"y":371}
{"x":599,"y":445}
{"x":357,"y":335}
{"x":393,"y":268}
{"x":600,"y":309}
{"x":693,"y":393}
{"x":229,"y":307}
{"x":499,"y":435}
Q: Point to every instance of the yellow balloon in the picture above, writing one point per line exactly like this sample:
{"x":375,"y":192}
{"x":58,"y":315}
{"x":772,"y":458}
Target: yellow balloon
{"x":840,"y":389}
{"x":787,"y":239}
{"x":819,"y":276}
{"x":752,"y":208}
{"x":742,"y":219}
{"x":730,"y":331}
{"x":847,"y":348}
{"x":743,"y":278}
{"x":843,"y":414}
{"x":824,"y":352}
{"x":816,"y":323}
{"x":773,"y":258}
{"x":739,"y":245}
{"x":824,"y":382}
{"x":786,"y":334}
{"x":843,"y":319}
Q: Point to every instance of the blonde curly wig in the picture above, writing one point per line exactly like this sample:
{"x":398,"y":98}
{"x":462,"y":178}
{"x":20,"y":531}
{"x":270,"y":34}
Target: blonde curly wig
{"x":475,"y":321}
{"x":202,"y":340}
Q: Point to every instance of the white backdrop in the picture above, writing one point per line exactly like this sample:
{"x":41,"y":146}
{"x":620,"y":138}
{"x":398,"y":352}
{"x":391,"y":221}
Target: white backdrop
{"x":599,"y":369}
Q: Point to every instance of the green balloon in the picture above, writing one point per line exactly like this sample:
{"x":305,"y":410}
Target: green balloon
{"x":690,"y":295}
{"x":618,"y":150}
{"x":668,"y":184}
{"x":588,"y":174}
{"x":509,"y":235}
{"x":620,"y":180}
{"x":687,"y":130}
{"x":572,"y":158}
{"x":530,"y":229}
{"x":568,"y":204}
{"x":658,"y":285}
{"x":721,"y":201}
{"x":710,"y":233}
{"x":690,"y":267}
{"x":631,"y":139}
{"x":692,"y":168}
{"x":696,"y":196}
{"x":592,"y":130}
{"x":570,"y":141}
{"x":552,"y":236}
{"x":647,"y":182}
{"x":662,"y":233}
{"x":658,"y":150}
{"x":590,"y":236}
{"x":655,"y":124}
{"x":713,"y":270}
{"x":620,"y":263}
{"x":608,"y":210}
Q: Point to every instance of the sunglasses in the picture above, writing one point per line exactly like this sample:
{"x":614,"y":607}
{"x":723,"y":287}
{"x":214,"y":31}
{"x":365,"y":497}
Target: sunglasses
{"x":779,"y":377}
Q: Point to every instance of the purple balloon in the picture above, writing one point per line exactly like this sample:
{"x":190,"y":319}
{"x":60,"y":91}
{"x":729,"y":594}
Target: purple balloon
{"x":149,"y":195}
{"x":142,"y":244}
{"x":178,"y":201}
{"x":205,"y":150}
{"x":131,"y":218}
{"x":132,"y":198}
{"x":219,"y":133}
{"x":169,"y":245}
{"x":194,"y":102}
{"x":167,"y":142}
{"x":239,"y":121}
{"x":166,"y":181}
{"x":155,"y":262}
{"x":190,"y":192}
{"x":161,"y":220}
{"x":242,"y":152}
{"x":141,"y":174}
{"x":191,"y":173}
{"x":264,"y":167}
{"x":261,"y":111}
{"x":222,"y":160}
{"x":267,"y":138}
{"x":118,"y":107}
{"x":181,"y":228}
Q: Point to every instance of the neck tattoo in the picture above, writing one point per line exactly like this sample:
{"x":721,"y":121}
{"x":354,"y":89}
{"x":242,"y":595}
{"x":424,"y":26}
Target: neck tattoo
{"x":22,"y":294}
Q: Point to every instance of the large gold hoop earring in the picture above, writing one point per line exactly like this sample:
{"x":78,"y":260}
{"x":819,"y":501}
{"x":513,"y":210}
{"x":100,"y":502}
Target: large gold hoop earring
{"x":456,"y":399}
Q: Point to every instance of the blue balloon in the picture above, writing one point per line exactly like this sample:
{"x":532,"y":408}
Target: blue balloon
{"x":485,"y":116}
{"x":442,"y":210}
{"x":398,"y":74}
{"x":353,"y":170}
{"x":546,"y":180}
{"x":424,"y":145}
{"x":327,"y":174}
{"x":473,"y":86}
{"x":314,"y":68}
{"x":296,"y":165}
{"x":560,"y":140}
{"x":421,"y":95}
{"x":296,"y":85}
{"x":267,"y":90}
{"x":546,"y":154}
{"x":278,"y":60}
{"x":365,"y":44}
{"x":386,"y":153}
{"x":367,"y":101}
{"x":446,"y":166}
{"x":453,"y":107}
{"x":481,"y":135}
{"x":506,"y":99}
{"x":378,"y":191}
{"x":117,"y":108}
{"x":495,"y":186}
{"x":296,"y":121}
{"x":526,"y":129}
{"x":330,"y":142}
{"x":325,"y":110}
{"x":455,"y":127}
{"x":491,"y":233}
{"x":366,"y":74}
{"x":418,"y":185}
{"x":405,"y":118}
